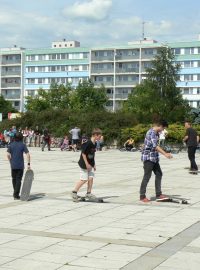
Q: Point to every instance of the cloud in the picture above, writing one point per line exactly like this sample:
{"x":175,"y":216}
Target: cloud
{"x":92,"y":10}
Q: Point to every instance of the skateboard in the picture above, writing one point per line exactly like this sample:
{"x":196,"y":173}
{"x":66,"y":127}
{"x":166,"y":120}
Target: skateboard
{"x":84,"y":199}
{"x":26,"y":188}
{"x":174,"y":199}
{"x":194,"y":172}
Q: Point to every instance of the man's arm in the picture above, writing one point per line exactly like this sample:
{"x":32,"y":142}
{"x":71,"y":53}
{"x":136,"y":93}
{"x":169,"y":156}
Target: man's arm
{"x":185,"y":138}
{"x":197,"y":139}
{"x":88,"y":166}
{"x":160,"y":150}
{"x":28,"y":157}
{"x":8,"y":156}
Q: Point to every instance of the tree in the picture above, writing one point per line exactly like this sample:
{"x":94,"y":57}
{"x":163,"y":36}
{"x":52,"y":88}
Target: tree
{"x":57,"y":97}
{"x":88,"y":98}
{"x":6,"y":107}
{"x":158,"y":96}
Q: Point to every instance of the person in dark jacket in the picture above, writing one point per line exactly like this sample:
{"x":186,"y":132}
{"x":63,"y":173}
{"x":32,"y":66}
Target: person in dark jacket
{"x":15,"y":155}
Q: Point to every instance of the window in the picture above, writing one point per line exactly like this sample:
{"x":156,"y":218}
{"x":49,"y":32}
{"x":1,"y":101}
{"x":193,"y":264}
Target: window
{"x":31,"y":69}
{"x":198,"y":91}
{"x":177,"y":51}
{"x":41,"y":69}
{"x":188,"y":77}
{"x":198,"y":77}
{"x":30,"y":93}
{"x":31,"y":57}
{"x":85,"y":67}
{"x":31,"y":81}
{"x":41,"y":57}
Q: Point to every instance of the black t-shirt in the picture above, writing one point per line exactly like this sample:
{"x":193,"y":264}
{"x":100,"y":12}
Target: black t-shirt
{"x":192,"y":137}
{"x":87,"y":148}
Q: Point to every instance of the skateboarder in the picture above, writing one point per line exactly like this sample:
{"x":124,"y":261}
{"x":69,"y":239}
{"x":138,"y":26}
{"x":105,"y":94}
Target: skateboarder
{"x":191,"y":139}
{"x":150,"y":158}
{"x":15,"y":154}
{"x":87,"y":165}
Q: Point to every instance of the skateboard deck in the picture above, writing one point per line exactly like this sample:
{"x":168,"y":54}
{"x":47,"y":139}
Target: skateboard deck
{"x":84,"y":199}
{"x":175,"y":200}
{"x":26,"y":188}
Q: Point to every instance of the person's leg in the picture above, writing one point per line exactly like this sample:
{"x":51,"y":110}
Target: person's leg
{"x":158,"y":173}
{"x":19,"y":175}
{"x":191,"y":155}
{"x":13,"y":174}
{"x":79,"y":185}
{"x":148,"y":167}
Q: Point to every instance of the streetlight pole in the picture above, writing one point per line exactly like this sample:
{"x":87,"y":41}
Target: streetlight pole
{"x":114,"y":81}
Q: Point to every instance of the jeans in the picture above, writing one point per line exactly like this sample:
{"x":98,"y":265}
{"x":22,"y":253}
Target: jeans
{"x":191,"y":156}
{"x":45,"y":142}
{"x":150,"y":166}
{"x":17,"y":175}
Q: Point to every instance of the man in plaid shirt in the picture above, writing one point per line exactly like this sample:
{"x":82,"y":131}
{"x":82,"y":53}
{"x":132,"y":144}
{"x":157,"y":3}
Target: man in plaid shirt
{"x":150,"y":158}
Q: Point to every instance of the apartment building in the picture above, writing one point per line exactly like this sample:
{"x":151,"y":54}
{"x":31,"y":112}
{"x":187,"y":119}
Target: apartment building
{"x":188,"y":56}
{"x":121,"y":68}
{"x":11,"y":75}
{"x":59,"y":64}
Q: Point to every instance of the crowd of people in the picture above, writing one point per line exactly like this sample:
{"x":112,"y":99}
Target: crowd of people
{"x":42,"y":138}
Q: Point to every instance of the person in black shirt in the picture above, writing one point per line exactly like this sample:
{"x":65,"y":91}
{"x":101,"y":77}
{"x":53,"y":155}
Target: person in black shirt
{"x":191,"y":139}
{"x":87,"y":165}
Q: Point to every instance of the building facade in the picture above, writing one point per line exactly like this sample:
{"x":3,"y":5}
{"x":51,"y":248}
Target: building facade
{"x":188,"y":56}
{"x":121,"y":68}
{"x":12,"y":76}
{"x":118,"y":68}
{"x":54,"y":65}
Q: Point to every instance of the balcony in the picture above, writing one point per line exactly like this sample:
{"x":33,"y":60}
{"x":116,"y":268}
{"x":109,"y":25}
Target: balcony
{"x":126,"y":57}
{"x":127,"y":82}
{"x":102,"y":70}
{"x":97,"y":83}
{"x":102,"y":58}
{"x":11,"y":62}
{"x":10,"y":85}
{"x":118,"y":96}
{"x":148,"y":56}
{"x":127,"y":70}
{"x":10,"y":73}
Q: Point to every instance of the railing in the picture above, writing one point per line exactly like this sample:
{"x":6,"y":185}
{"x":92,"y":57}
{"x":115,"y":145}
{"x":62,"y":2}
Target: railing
{"x":127,"y":70}
{"x":11,"y":73}
{"x":104,"y":83}
{"x":11,"y":62}
{"x":127,"y":82}
{"x":102,"y":58}
{"x":102,"y":70}
{"x":127,"y":57}
{"x":8,"y":85}
{"x":11,"y":96}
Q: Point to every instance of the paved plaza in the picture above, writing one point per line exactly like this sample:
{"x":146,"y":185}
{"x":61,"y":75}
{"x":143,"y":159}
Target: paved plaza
{"x":52,"y":232}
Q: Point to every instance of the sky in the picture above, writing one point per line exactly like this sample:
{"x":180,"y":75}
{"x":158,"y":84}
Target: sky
{"x":36,"y":23}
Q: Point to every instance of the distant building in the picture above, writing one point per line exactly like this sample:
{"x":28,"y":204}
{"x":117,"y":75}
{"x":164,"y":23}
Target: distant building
{"x":54,"y":65}
{"x":118,"y":68}
{"x":188,"y":56}
{"x":121,"y":68}
{"x":11,"y":75}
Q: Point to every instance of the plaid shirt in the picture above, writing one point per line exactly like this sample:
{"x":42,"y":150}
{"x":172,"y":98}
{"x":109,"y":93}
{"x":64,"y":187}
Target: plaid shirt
{"x":150,"y":143}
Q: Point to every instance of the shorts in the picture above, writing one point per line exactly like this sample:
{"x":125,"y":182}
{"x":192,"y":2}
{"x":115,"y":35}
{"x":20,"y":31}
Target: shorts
{"x":75,"y":141}
{"x":85,"y":174}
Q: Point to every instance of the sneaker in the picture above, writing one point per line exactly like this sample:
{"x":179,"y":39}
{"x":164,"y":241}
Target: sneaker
{"x":162,"y":198}
{"x":90,"y":196}
{"x":145,"y":200}
{"x":74,"y":196}
{"x":17,"y":198}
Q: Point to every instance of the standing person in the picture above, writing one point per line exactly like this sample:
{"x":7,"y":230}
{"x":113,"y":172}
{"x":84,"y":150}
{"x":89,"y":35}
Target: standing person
{"x":36,"y":136}
{"x":30,"y":136}
{"x":162,"y":137}
{"x":15,"y":154}
{"x":191,"y":139}
{"x":150,"y":158}
{"x":87,"y":165}
{"x":75,"y":137}
{"x":46,"y":139}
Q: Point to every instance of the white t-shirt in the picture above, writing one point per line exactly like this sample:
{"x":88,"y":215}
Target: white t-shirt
{"x":163,"y":134}
{"x":75,"y":133}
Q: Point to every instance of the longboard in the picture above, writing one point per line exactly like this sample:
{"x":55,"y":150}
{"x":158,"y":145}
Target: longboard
{"x":95,"y":200}
{"x":27,"y":184}
{"x":175,"y":200}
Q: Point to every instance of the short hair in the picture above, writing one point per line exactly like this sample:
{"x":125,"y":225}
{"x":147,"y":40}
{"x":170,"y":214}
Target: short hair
{"x":96,"y":131}
{"x":188,"y":122}
{"x":18,"y":136}
{"x":162,"y":123}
